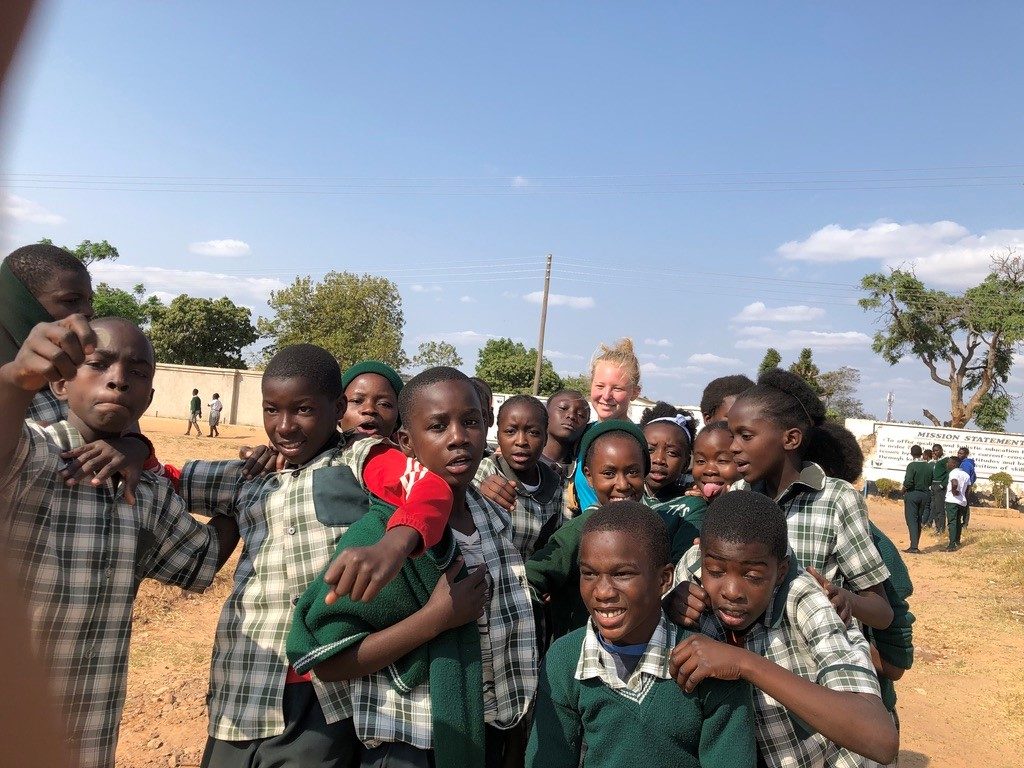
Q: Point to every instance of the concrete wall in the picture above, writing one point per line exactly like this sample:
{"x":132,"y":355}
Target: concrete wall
{"x":238,"y":390}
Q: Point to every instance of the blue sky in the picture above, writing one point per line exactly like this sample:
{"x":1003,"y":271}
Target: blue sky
{"x":711,"y":180}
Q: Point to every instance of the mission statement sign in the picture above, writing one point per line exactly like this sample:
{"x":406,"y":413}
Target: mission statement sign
{"x":992,"y":451}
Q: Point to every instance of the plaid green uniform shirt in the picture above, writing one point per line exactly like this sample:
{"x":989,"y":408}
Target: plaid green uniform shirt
{"x":383,"y":714}
{"x":285,"y":548}
{"x":538,"y":513}
{"x":46,"y":409}
{"x":596,"y":663}
{"x":79,"y":554}
{"x":828,"y":528}
{"x":802,"y":633}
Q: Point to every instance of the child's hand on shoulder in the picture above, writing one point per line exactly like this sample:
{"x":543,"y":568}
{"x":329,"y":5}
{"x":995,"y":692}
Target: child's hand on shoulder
{"x":97,"y":462}
{"x":260,"y":460}
{"x":699,"y":657}
{"x":362,"y":572}
{"x":51,"y":352}
{"x":455,"y":603}
{"x":686,"y":602}
{"x":500,"y":490}
{"x":842,"y":599}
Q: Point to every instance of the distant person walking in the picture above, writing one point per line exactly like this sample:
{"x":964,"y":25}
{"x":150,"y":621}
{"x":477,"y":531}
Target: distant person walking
{"x":967,"y":465}
{"x":940,"y":475}
{"x":195,"y":413}
{"x":956,"y":501}
{"x":215,"y":406}
{"x":916,"y":495}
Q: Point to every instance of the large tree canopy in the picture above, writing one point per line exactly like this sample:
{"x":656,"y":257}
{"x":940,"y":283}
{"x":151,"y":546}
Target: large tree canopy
{"x":508,"y":366}
{"x":431,"y":353}
{"x":355,"y":317}
{"x":89,"y":252}
{"x":966,"y":342}
{"x":131,"y":305}
{"x":194,"y":331}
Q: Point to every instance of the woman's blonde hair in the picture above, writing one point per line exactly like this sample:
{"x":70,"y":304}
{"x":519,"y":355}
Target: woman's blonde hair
{"x":620,"y":355}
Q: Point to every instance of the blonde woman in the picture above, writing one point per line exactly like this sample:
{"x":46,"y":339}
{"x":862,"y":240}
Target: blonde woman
{"x":614,"y":383}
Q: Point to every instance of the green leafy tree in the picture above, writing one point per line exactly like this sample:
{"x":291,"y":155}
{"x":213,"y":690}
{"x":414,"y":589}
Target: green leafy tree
{"x":355,"y":317}
{"x":89,"y":252}
{"x":805,"y":368}
{"x":838,"y":390}
{"x":966,"y":342}
{"x":772,"y":359}
{"x":993,"y":411}
{"x":431,"y":353}
{"x":508,"y":366}
{"x":195,"y":331}
{"x":131,"y":305}
{"x":579,"y":382}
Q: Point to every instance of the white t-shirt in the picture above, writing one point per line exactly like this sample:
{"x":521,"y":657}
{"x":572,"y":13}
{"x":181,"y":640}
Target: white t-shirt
{"x":963,"y":480}
{"x":216,"y":406}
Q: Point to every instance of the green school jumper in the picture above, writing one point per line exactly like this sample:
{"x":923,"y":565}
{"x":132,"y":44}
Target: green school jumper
{"x":649,"y":724}
{"x":895,"y":643}
{"x":940,"y":477}
{"x":917,"y":493}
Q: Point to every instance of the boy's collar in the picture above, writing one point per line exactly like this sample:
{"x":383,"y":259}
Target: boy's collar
{"x":811,"y":476}
{"x":497,"y":517}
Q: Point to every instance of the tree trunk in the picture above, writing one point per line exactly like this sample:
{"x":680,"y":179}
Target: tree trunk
{"x":931,"y":417}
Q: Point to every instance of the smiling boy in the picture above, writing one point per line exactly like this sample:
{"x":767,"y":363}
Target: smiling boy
{"x":767,"y":621}
{"x":80,"y":552}
{"x":606,"y":691}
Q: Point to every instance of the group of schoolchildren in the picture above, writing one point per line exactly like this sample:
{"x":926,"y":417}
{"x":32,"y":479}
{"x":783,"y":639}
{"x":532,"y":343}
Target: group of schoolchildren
{"x":936,"y":490}
{"x":598,"y":594}
{"x":195,"y":413}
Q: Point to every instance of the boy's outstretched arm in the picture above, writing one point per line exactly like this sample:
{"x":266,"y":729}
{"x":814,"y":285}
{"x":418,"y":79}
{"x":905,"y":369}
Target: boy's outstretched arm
{"x":51,"y":352}
{"x":856,"y":721}
{"x":451,"y":604}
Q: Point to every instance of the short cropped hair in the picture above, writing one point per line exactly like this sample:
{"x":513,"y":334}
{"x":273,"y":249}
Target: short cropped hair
{"x":746,"y":517}
{"x":310,"y":362}
{"x":633,"y":518}
{"x":36,"y":264}
{"x":714,"y":426}
{"x":428,"y":378}
{"x":528,"y":400}
{"x":915,"y":450}
{"x":718,"y":389}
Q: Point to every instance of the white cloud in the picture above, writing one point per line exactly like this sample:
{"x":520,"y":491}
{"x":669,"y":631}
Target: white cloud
{"x":943,"y":253}
{"x":29,"y":211}
{"x":458,"y":338}
{"x":707,"y":358}
{"x":418,"y":288}
{"x":653,"y":356}
{"x":758,"y":338}
{"x":554,"y":354}
{"x":658,"y":342}
{"x":796,"y":313}
{"x":226,"y":249}
{"x":520,"y":181}
{"x":669,"y":371}
{"x":467,"y":299}
{"x":753,"y":330}
{"x":250,"y":291}
{"x":561,"y":300}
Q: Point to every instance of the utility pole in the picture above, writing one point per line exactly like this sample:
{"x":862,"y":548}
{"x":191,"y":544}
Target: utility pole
{"x":889,"y":399}
{"x":543,"y":321}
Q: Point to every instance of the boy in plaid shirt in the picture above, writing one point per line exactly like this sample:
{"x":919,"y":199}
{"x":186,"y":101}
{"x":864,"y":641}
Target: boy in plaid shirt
{"x":261,"y":710}
{"x":780,"y":439}
{"x":517,"y":479}
{"x":765,"y":620}
{"x":80,"y":551}
{"x":440,"y":669}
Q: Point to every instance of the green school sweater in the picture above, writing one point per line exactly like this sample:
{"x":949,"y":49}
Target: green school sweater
{"x":450,"y":663}
{"x":918,"y":477}
{"x":690,"y":508}
{"x":195,"y":405}
{"x":555,"y":569}
{"x":895,"y":643}
{"x":940,"y":472}
{"x":713,"y":727}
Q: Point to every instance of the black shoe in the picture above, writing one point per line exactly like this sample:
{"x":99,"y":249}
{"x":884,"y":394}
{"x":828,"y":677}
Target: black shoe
{"x":952,"y":548}
{"x":912,"y":550}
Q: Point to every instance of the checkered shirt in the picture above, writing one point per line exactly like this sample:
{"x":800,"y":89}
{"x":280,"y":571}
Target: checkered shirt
{"x":537,"y":512}
{"x":46,"y":409}
{"x":596,"y":662}
{"x":802,"y":633}
{"x":285,"y":549}
{"x":382,"y":714}
{"x":828,"y":529}
{"x":78,"y":555}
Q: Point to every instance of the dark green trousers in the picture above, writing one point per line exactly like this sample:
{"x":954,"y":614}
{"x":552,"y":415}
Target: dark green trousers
{"x":938,"y":500}
{"x":955,"y":515}
{"x":915,"y":504}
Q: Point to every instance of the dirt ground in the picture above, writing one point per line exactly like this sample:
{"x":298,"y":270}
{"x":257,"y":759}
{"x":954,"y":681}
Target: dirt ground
{"x":962,"y":704}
